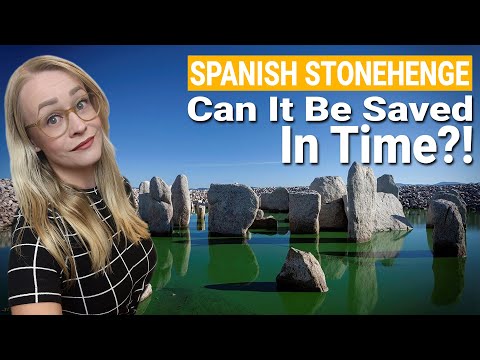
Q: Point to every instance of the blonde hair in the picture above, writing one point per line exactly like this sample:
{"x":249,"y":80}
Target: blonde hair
{"x":37,"y":187}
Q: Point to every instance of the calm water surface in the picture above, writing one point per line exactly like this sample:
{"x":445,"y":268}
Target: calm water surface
{"x":394,"y":273}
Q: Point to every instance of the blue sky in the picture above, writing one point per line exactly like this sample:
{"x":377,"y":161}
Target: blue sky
{"x":154,"y":136}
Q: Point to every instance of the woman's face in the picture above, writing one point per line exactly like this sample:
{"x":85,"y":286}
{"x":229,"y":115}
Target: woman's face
{"x":41,"y":96}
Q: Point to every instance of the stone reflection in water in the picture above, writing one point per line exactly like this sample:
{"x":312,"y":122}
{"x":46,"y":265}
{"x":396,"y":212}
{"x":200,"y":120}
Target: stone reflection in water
{"x":232,"y":260}
{"x":180,"y":249}
{"x":386,"y":245}
{"x":416,"y":216}
{"x":430,"y":239}
{"x":362,"y":280}
{"x":473,"y":220}
{"x":449,"y":274}
{"x":163,"y":271}
{"x":5,"y":236}
{"x":333,"y":266}
{"x":302,"y":303}
{"x":200,"y":224}
{"x":362,"y":287}
{"x":307,"y":243}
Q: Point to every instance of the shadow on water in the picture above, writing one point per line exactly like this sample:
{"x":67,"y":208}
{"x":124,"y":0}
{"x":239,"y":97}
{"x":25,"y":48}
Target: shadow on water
{"x":246,"y":286}
{"x":449,"y":275}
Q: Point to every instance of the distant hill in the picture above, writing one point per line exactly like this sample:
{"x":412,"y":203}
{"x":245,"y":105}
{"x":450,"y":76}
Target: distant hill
{"x":449,"y":183}
{"x":437,"y":184}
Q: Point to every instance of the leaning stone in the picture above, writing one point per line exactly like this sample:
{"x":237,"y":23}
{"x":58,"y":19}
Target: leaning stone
{"x":330,"y":188}
{"x":448,"y":231}
{"x":361,"y":189}
{"x":304,"y":210}
{"x":232,"y":210}
{"x":301,"y":272}
{"x":160,"y":191}
{"x":386,"y":184}
{"x":389,"y":213}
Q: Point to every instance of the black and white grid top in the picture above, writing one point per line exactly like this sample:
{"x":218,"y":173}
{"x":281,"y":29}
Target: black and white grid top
{"x":35,"y":276}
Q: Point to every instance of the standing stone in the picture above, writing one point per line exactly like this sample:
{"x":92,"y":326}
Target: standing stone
{"x":386,"y":184}
{"x":232,"y":209}
{"x":181,"y":201}
{"x":302,"y":272}
{"x":144,"y":187}
{"x":200,"y":212}
{"x":304,"y":212}
{"x":450,"y":195}
{"x":144,"y":205}
{"x":330,"y":188}
{"x":275,"y":201}
{"x":361,"y":189}
{"x":156,"y":208}
{"x":332,"y":216}
{"x":448,"y":231}
{"x":160,"y":218}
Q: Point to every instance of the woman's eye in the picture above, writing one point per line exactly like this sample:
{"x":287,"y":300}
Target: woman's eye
{"x":82,"y":104}
{"x":53,"y":120}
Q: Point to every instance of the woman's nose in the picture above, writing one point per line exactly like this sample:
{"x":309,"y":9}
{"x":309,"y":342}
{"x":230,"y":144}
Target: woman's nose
{"x":76,"y":125}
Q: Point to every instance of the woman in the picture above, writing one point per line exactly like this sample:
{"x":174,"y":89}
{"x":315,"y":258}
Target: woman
{"x":78,"y":244}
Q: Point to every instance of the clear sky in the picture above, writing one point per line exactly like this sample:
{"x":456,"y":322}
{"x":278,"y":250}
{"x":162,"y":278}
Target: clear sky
{"x":154,"y":136}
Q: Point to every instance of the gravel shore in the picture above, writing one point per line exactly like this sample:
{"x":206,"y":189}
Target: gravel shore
{"x":411,"y":196}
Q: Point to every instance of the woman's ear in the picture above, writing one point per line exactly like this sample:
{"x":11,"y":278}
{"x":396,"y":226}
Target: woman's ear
{"x":37,"y":149}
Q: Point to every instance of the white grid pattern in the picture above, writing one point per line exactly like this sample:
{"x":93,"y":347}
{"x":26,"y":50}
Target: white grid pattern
{"x":97,"y":292}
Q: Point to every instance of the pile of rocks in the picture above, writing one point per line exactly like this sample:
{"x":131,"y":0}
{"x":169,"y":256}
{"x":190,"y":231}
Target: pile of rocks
{"x":8,"y":203}
{"x":418,"y":196}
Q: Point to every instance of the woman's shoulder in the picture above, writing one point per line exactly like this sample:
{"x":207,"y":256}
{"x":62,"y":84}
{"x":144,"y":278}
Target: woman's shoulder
{"x":21,"y":230}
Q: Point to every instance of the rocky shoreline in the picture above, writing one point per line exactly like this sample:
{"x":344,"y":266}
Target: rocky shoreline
{"x":410,"y":196}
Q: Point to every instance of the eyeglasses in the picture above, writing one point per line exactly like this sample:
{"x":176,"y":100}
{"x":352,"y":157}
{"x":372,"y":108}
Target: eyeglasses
{"x":56,"y":122}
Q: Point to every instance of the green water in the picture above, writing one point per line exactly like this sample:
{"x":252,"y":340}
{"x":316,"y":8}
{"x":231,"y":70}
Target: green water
{"x":394,"y":273}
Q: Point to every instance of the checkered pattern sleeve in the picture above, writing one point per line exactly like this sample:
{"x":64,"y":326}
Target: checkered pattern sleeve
{"x":34,"y":275}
